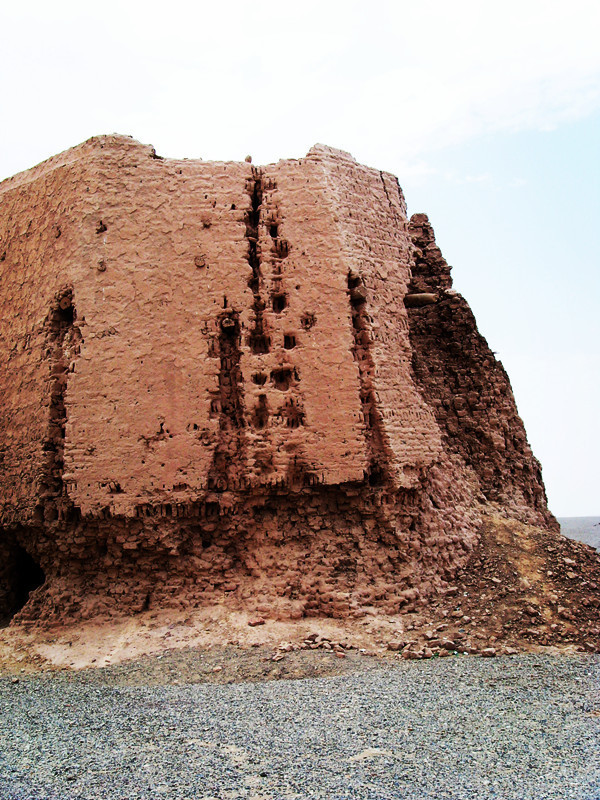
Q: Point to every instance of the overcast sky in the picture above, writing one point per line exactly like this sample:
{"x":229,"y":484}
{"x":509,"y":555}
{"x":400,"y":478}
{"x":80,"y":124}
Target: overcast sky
{"x":489,"y":114}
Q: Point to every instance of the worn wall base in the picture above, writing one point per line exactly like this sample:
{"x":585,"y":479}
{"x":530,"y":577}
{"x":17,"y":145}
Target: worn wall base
{"x":336,"y":551}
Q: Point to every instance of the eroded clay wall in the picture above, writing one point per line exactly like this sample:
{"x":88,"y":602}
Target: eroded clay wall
{"x":468,"y":388}
{"x":208,"y":364}
{"x":210,"y":390}
{"x":302,"y":391}
{"x":43,"y":237}
{"x":214,"y":335}
{"x":376,"y":247}
{"x":168,"y":259}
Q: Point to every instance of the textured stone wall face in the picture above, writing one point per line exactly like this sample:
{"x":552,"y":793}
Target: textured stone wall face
{"x":208,"y":391}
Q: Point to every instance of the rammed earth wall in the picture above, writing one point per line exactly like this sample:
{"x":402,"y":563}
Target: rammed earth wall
{"x":212,"y":388}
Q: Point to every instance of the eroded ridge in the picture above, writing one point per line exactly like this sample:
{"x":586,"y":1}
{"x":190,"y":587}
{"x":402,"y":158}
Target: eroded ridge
{"x":468,"y":387}
{"x":258,"y":340}
{"x":363,"y":340}
{"x":242,"y":385}
{"x":63,"y":340}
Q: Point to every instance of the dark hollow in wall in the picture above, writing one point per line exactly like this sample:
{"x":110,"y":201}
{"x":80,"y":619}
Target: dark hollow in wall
{"x":23,"y":577}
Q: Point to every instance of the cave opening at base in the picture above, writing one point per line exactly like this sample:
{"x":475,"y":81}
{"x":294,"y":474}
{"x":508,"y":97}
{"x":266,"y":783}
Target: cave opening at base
{"x":26,"y":576}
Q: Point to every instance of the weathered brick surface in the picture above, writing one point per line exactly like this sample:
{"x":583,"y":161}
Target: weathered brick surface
{"x":208,"y":391}
{"x":468,"y":388}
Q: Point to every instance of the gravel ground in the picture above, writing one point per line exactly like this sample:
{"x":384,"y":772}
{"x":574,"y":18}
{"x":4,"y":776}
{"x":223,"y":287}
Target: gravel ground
{"x":525,"y":727}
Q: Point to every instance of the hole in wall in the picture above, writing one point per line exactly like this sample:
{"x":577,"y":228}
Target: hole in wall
{"x":26,"y":576}
{"x":261,"y":412}
{"x":358,"y":298}
{"x":307,"y":320}
{"x":282,"y":247}
{"x":293,"y":413}
{"x":289,"y":341}
{"x":279,"y":303}
{"x":357,"y":291}
{"x":259,"y":343}
{"x":282,"y":378}
{"x":376,"y":476}
{"x":229,"y":326}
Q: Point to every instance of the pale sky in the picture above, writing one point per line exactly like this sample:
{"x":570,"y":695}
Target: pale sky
{"x":489,"y":114}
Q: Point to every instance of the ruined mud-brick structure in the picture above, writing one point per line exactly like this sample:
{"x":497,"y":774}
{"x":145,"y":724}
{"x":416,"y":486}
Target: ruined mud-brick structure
{"x":240,"y":384}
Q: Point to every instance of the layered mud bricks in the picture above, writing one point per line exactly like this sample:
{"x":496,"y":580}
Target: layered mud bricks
{"x":238,"y":384}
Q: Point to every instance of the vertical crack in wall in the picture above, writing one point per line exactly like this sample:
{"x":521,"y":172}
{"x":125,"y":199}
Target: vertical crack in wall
{"x":225,"y":471}
{"x":386,"y":192}
{"x":63,"y":340}
{"x":400,"y":220}
{"x":377,"y":469}
{"x":258,"y":341}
